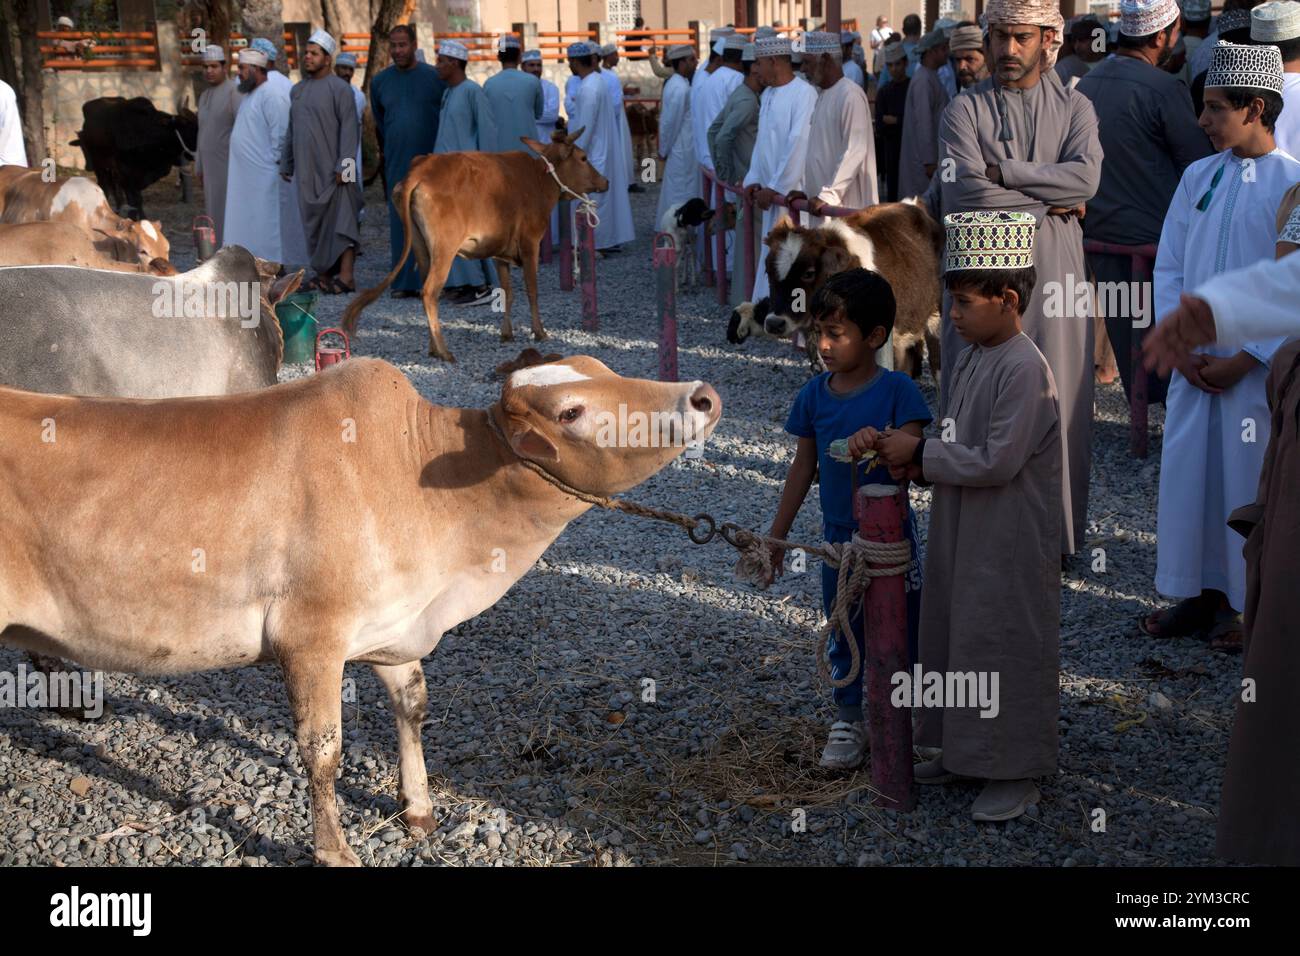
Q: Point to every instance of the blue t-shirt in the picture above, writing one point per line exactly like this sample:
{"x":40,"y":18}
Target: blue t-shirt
{"x":892,"y":399}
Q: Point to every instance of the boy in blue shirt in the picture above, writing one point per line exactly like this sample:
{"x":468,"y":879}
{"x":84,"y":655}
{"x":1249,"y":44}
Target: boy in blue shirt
{"x":853,"y":315}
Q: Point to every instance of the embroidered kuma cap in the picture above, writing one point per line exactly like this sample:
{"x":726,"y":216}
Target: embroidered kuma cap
{"x":895,"y":52}
{"x":679,"y":51}
{"x":1275,"y":22}
{"x":817,"y":41}
{"x":581,"y":48}
{"x":989,"y":239}
{"x":454,"y":49}
{"x":1196,"y":10}
{"x":1141,"y":18}
{"x":346,"y":59}
{"x":532,"y":56}
{"x":1245,"y":66}
{"x":213,"y":54}
{"x":773,"y":46}
{"x":508,"y":41}
{"x":324,"y":41}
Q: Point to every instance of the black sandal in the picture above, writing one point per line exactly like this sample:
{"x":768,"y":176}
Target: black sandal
{"x":1188,"y":618}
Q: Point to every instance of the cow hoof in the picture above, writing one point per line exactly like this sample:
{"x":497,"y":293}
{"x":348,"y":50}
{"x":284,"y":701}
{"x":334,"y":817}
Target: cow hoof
{"x":741,"y":315}
{"x":343,"y":857}
{"x":444,"y":356}
{"x":418,"y":822}
{"x":540,"y":335}
{"x":507,"y":336}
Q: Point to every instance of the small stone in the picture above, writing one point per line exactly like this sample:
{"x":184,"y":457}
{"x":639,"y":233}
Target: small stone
{"x":1158,"y":701}
{"x":80,"y":786}
{"x":703,"y":836}
{"x":614,"y":838}
{"x":492,"y":840}
{"x":242,"y":812}
{"x":391,"y":835}
{"x":739,"y":852}
{"x":152,"y":846}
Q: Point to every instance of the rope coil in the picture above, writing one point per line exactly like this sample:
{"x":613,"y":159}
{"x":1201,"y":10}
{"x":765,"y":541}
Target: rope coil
{"x":585,"y":203}
{"x":852,"y":559}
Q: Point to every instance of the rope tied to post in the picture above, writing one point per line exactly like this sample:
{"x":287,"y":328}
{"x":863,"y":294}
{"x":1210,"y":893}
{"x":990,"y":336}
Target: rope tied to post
{"x":852,"y":559}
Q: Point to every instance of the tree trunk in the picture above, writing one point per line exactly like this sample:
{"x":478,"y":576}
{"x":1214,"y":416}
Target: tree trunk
{"x":386,"y":16}
{"x":332,"y":18}
{"x":31,"y":95}
{"x":8,"y":61}
{"x":263,"y":18}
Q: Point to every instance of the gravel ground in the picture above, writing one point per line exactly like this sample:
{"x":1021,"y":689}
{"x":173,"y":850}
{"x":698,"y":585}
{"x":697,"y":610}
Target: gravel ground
{"x":540,"y":747}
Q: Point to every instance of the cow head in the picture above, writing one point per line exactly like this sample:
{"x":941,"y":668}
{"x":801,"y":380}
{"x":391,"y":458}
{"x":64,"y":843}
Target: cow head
{"x":693,"y":212}
{"x":571,"y":164}
{"x":598,"y":431}
{"x":799,"y":261}
{"x":147,"y":235}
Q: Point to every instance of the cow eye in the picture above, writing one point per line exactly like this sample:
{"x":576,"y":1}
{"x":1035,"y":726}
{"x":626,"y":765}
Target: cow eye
{"x":810,"y":274}
{"x":570,"y":415}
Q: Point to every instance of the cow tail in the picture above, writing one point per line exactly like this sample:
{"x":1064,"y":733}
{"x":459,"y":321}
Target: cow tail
{"x":355,"y":307}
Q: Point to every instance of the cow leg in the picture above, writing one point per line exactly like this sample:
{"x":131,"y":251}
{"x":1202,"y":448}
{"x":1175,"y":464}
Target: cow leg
{"x":315,"y":688}
{"x":505,"y":285}
{"x":530,"y":286}
{"x":409,"y":696}
{"x":434,"y":260}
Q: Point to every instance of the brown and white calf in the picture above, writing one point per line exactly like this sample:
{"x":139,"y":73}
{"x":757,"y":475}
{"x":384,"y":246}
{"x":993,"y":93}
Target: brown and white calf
{"x":899,"y":240}
{"x":482,"y":206}
{"x":27,"y":197}
{"x":176,"y":535}
{"x":63,"y":244}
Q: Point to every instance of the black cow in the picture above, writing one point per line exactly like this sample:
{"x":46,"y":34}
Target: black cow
{"x":131,"y":144}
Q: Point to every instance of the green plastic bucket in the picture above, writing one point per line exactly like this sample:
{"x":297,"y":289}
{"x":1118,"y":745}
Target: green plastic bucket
{"x":297,"y":316}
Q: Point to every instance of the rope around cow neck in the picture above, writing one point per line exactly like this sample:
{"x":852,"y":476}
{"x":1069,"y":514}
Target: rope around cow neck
{"x":585,"y":202}
{"x":191,"y":154}
{"x":852,"y":559}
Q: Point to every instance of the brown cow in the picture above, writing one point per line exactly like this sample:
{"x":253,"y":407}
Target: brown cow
{"x":63,"y":244}
{"x":482,"y":206}
{"x":234,"y":555}
{"x":29,"y":198}
{"x":899,"y":240}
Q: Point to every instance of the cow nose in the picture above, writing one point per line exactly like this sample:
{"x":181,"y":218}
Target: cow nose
{"x":706,"y":401}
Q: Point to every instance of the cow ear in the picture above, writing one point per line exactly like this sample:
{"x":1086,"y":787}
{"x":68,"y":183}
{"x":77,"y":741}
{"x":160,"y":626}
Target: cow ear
{"x":837,"y":259}
{"x":532,"y":144}
{"x":782,"y":221}
{"x":528,"y":442}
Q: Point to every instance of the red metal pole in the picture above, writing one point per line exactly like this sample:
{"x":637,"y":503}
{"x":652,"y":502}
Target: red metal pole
{"x":587,"y":265}
{"x":720,"y":238}
{"x":889,"y":728}
{"x":751,"y":237}
{"x":566,"y":246}
{"x":665,"y":267}
{"x":706,"y":190}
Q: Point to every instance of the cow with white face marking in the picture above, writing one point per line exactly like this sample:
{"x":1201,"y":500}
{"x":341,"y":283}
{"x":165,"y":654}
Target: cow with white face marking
{"x":27,"y":197}
{"x":101,"y":529}
{"x":899,"y":240}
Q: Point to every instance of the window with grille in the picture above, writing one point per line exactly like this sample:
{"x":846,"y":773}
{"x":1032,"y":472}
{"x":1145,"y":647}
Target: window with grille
{"x":622,"y":14}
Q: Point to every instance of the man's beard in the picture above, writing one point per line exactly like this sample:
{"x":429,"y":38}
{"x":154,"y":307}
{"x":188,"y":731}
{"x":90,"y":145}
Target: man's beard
{"x":966,"y":78}
{"x":1166,"y":55}
{"x":1022,"y":69}
{"x":248,"y":85}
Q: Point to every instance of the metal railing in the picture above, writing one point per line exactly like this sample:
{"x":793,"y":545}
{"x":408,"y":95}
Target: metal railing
{"x":68,"y":50}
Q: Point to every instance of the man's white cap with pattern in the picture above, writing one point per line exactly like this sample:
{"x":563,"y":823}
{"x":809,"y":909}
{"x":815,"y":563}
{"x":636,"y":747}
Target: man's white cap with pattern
{"x":718,"y":33}
{"x":346,"y":59}
{"x":679,"y":51}
{"x":609,"y":49}
{"x":324,"y":41}
{"x":1141,"y":18}
{"x":736,"y":41}
{"x":761,"y":32}
{"x":1244,"y":66}
{"x":773,"y":46}
{"x":213,"y":53}
{"x":988,"y":239}
{"x":748,"y":55}
{"x":817,"y":41}
{"x":252,"y":57}
{"x":1275,"y":22}
{"x":454,"y":49}
{"x":508,"y":41}
{"x":1196,"y":10}
{"x":581,"y":48}
{"x":895,"y":52}
{"x":65,"y":22}
{"x":532,"y":56}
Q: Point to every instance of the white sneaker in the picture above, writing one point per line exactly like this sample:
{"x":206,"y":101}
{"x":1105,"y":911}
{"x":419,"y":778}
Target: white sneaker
{"x":484,"y":297}
{"x":845,"y":747}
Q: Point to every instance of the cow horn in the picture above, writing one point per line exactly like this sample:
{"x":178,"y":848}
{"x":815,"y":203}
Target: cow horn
{"x":572,"y":137}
